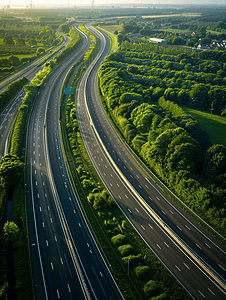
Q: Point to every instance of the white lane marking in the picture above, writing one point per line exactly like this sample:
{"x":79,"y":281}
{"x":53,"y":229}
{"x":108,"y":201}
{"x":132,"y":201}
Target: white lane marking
{"x":129,"y":210}
{"x":61,"y":260}
{"x":36,"y":183}
{"x":150,"y":226}
{"x":52,"y":266}
{"x":58,"y":294}
{"x":187,"y":266}
{"x":40,"y":208}
{"x":211,"y":291}
{"x":79,"y":224}
{"x":101,"y":274}
{"x":47,"y":243}
{"x":142,"y":227}
{"x":158,"y":246}
{"x":43,"y":224}
{"x":201,"y":294}
{"x":126,"y":196}
{"x":163,"y":212}
{"x":198,"y":246}
{"x":55,"y":238}
{"x":140,"y":186}
{"x":137,"y":210}
{"x":70,"y":198}
{"x":179,"y":228}
{"x":69,"y":288}
{"x":166,"y":244}
{"x":147,"y":186}
{"x":221,"y":267}
{"x":150,"y":198}
{"x":99,"y":281}
{"x":157,"y":198}
{"x":74,"y":211}
{"x":45,"y":195}
{"x":90,"y":251}
{"x":177,"y":268}
{"x":87,"y":244}
{"x":187,"y":227}
{"x":38,"y":195}
{"x":172,"y":212}
{"x":117,"y":184}
{"x":35,"y":171}
{"x":51,"y":220}
{"x":48,"y":207}
{"x":208,"y":245}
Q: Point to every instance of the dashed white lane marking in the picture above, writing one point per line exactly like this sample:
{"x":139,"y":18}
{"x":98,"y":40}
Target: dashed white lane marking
{"x":201,"y":294}
{"x":221,"y":267}
{"x":211,"y":291}
{"x":186,"y":266}
{"x":178,"y":268}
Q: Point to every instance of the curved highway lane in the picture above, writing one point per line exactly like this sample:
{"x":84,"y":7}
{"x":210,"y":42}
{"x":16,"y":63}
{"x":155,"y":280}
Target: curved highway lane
{"x":116,"y":167}
{"x":68,"y":264}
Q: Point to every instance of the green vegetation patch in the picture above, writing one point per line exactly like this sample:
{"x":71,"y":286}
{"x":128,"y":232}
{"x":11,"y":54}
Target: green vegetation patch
{"x":214,"y":125}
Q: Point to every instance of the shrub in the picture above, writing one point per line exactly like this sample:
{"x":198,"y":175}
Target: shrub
{"x":151,"y":289}
{"x":133,"y":261}
{"x":125,"y":249}
{"x":160,"y":297}
{"x":142,"y":271}
{"x":118,"y":239}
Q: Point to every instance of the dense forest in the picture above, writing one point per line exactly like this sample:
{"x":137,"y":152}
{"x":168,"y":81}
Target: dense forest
{"x":143,"y":87}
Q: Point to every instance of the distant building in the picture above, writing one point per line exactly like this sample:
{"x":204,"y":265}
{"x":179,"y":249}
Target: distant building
{"x":157,"y":41}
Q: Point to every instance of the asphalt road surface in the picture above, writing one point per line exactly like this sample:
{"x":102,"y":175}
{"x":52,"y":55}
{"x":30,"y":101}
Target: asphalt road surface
{"x":67,"y":262}
{"x":196,"y":259}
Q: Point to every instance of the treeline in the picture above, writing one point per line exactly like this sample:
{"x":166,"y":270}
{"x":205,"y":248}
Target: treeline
{"x":75,"y":43}
{"x":168,"y":140}
{"x":12,"y":90}
{"x":183,"y":77}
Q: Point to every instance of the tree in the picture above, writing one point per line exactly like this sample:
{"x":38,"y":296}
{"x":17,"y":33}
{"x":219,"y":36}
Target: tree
{"x":199,"y":96}
{"x":151,"y":289}
{"x":221,"y":24}
{"x":64,"y":28}
{"x":178,"y":41}
{"x":14,"y":60}
{"x":20,"y":42}
{"x":40,"y":50}
{"x":11,"y":232}
{"x":8,"y":40}
{"x":11,"y":170}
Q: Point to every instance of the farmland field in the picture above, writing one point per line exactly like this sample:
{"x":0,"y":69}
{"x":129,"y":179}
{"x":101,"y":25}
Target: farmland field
{"x":214,"y":125}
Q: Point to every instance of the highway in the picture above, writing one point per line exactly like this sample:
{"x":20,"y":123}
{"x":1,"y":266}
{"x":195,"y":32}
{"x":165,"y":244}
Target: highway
{"x":7,"y":117}
{"x":67,"y":262}
{"x":32,"y":69}
{"x":197,"y":260}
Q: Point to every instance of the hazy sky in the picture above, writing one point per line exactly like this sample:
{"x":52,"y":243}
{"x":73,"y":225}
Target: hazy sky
{"x":108,"y":2}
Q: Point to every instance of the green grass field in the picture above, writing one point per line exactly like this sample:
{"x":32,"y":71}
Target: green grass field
{"x":214,"y":125}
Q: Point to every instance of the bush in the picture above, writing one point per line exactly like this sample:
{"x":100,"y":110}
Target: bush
{"x":160,"y":297}
{"x":142,"y":271}
{"x":118,"y":239}
{"x":133,"y":261}
{"x":125,"y":249}
{"x":151,"y":289}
